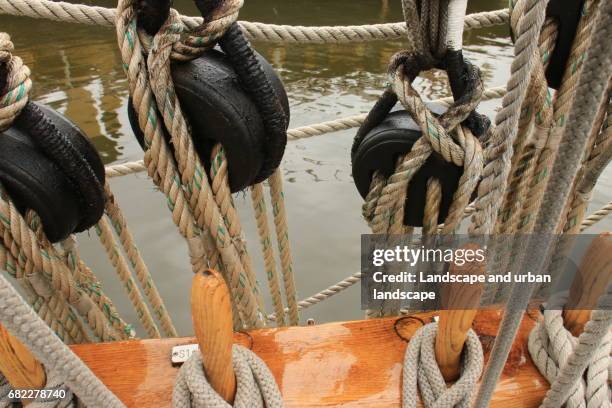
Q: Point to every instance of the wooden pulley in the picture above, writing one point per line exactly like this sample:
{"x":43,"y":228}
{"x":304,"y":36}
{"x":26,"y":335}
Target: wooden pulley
{"x":219,"y":110}
{"x":60,"y":178}
{"x":379,"y":150}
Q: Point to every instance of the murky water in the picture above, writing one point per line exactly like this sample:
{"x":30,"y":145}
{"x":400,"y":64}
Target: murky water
{"x":77,"y":70}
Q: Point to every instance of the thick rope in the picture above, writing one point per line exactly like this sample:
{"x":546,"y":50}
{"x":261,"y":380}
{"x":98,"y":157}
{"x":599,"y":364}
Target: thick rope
{"x":592,"y":85}
{"x":591,"y":344}
{"x":93,"y":15}
{"x":551,"y":344}
{"x":23,"y":323}
{"x":421,"y":372}
{"x":255,"y":388}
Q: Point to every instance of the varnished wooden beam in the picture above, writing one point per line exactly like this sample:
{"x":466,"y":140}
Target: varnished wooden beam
{"x":211,"y":312}
{"x":460,"y":301}
{"x":346,"y":364}
{"x":18,"y":365}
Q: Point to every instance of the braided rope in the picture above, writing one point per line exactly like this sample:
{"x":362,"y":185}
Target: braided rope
{"x":94,"y":15}
{"x":550,"y":345}
{"x":421,"y":372}
{"x":256,"y":386}
{"x":22,"y":322}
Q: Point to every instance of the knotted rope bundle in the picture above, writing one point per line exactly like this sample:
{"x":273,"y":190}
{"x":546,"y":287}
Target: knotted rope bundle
{"x":421,"y":372}
{"x":181,"y":176}
{"x":551,"y":344}
{"x":256,"y":386}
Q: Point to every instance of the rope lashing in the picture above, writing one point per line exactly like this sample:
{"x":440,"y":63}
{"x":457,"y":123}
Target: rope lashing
{"x":421,"y":372}
{"x":19,"y":318}
{"x":256,"y":386}
{"x":591,"y":88}
{"x":551,"y":344}
{"x":15,"y":83}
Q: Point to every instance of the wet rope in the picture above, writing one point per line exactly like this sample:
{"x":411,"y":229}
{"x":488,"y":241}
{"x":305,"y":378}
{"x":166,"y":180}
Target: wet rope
{"x":255,"y":384}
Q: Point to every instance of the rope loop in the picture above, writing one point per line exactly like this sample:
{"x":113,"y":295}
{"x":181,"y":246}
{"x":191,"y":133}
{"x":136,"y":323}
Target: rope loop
{"x":421,"y":372}
{"x":256,"y":386}
{"x":550,"y":346}
{"x":15,"y":83}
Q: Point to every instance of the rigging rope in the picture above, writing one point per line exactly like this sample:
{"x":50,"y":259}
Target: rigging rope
{"x":94,"y":15}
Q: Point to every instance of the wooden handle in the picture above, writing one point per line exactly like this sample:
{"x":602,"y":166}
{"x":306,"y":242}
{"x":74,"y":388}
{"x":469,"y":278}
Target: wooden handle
{"x":460,"y":301}
{"x":18,"y":365}
{"x":590,"y":283}
{"x":211,"y":311}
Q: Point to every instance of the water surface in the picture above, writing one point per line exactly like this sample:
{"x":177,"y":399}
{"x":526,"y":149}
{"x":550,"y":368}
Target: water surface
{"x":77,"y":70}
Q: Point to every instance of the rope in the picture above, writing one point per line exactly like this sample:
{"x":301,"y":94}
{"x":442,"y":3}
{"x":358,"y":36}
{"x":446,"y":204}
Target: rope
{"x":184,"y":182}
{"x":421,"y":372}
{"x":597,"y":216}
{"x":592,"y":85}
{"x":256,"y":386}
{"x":21,"y":321}
{"x":16,"y":87}
{"x":592,"y":342}
{"x":93,"y":15}
{"x":551,"y":344}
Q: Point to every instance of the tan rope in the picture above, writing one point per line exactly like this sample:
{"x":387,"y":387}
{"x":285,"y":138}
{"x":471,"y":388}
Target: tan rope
{"x":282,"y":238}
{"x":261,"y":217}
{"x":119,"y":223}
{"x":94,"y":15}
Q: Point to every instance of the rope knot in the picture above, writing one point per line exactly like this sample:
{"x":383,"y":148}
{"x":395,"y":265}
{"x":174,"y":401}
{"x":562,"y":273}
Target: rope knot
{"x":256,"y":386}
{"x":421,"y":372}
{"x":15,"y":83}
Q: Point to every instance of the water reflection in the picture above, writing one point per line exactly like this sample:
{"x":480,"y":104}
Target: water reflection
{"x":77,"y":70}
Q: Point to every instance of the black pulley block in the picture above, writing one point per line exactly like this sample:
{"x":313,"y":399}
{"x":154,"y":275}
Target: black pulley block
{"x":36,"y":181}
{"x":379,"y":150}
{"x":220,"y":111}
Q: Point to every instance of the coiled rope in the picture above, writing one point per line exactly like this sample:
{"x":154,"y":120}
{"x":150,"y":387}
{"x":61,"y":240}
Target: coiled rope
{"x":256,"y":386}
{"x":420,"y":368}
{"x":551,"y":345}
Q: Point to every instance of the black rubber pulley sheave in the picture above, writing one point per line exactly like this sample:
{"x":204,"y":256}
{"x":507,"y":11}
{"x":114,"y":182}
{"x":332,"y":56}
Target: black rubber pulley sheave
{"x":220,"y":111}
{"x":36,"y":181}
{"x":379,"y":150}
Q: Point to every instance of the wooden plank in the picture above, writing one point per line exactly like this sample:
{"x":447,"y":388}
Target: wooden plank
{"x":348,"y":364}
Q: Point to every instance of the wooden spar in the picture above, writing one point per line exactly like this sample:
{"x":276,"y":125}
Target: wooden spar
{"x":460,"y":302}
{"x":18,"y":365}
{"x":211,"y":312}
{"x":349,"y":364}
{"x":591,"y":281}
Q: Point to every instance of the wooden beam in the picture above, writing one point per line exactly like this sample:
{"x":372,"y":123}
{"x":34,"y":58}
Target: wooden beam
{"x":590,"y":282}
{"x":18,"y":365}
{"x":346,"y":364}
{"x":211,"y":311}
{"x":460,"y":302}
